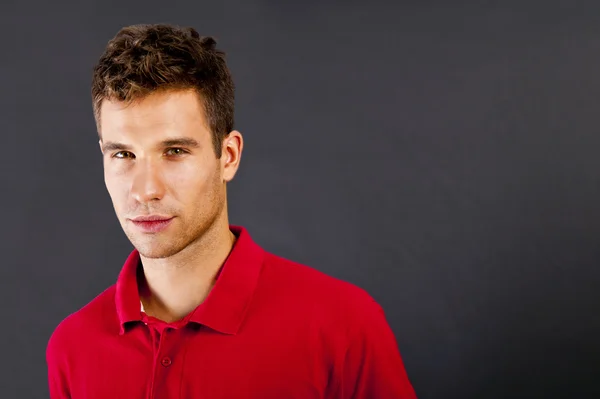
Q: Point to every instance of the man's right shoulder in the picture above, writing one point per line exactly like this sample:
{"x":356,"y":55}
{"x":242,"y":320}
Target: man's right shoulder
{"x":96,"y":315}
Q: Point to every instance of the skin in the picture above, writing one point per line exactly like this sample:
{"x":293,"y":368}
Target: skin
{"x":183,"y":179}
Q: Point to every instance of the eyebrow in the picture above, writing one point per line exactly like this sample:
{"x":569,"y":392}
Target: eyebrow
{"x":173,"y":142}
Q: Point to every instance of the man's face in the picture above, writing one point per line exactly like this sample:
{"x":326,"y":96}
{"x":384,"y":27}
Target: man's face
{"x":159,"y":163}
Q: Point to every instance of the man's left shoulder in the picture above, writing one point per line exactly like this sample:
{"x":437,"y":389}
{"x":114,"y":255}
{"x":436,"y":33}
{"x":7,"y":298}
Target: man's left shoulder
{"x":332,"y":294}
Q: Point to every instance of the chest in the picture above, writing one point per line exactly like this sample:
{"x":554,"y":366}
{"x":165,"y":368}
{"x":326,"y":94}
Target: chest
{"x":200,"y":363}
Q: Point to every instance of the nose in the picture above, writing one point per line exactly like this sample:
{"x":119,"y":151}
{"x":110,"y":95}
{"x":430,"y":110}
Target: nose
{"x":147,"y":183}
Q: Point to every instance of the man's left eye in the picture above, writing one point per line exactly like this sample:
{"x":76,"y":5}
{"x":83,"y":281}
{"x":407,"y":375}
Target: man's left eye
{"x":175,"y":151}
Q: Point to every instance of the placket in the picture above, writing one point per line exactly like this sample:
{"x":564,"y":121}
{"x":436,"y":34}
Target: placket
{"x":163,"y":351}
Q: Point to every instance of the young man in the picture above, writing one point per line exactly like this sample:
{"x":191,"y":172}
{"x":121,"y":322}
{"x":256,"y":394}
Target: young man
{"x":199,"y":310}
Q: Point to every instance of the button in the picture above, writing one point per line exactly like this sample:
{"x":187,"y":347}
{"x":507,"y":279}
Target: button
{"x":166,"y":361}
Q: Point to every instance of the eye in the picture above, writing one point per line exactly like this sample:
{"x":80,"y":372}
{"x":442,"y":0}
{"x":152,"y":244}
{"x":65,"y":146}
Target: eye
{"x":123,"y":155}
{"x":176,"y":151}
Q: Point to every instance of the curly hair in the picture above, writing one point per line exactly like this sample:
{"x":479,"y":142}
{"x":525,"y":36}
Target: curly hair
{"x":146,"y":58}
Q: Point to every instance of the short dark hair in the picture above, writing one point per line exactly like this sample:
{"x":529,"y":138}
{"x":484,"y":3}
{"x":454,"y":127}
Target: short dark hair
{"x":145,"y":58}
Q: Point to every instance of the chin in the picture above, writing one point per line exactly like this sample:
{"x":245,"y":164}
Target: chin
{"x":155,"y":248}
{"x":156,"y":251}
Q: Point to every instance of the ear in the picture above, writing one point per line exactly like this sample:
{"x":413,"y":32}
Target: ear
{"x":100,"y":144}
{"x":231,"y":154}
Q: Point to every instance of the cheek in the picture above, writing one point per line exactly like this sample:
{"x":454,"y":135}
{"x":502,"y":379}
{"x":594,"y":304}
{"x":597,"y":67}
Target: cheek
{"x":190,"y":186}
{"x":116,"y":187}
{"x":195,"y":179}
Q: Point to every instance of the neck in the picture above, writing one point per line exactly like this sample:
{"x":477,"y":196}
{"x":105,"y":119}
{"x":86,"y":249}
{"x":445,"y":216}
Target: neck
{"x":171,"y":288}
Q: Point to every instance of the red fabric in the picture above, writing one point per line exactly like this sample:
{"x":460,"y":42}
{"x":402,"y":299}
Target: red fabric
{"x":270,"y":328}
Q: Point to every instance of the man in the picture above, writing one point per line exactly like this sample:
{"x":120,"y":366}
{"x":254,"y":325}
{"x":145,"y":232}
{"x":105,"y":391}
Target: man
{"x":199,"y":310}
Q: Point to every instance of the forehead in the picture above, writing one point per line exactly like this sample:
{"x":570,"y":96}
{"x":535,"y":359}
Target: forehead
{"x":156,"y":115}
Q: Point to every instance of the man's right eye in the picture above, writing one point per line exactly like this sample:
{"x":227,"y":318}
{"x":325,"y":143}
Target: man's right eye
{"x":123,"y":154}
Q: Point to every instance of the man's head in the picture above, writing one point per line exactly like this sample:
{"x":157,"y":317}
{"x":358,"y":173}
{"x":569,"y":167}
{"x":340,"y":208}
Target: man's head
{"x":163,"y":101}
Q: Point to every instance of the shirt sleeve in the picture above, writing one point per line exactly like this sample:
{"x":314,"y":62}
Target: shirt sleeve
{"x":58,"y":383}
{"x":373,"y":367}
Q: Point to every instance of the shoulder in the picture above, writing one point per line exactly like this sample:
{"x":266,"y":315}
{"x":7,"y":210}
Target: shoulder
{"x":333,"y":298}
{"x":286,"y":271}
{"x":74,"y":328}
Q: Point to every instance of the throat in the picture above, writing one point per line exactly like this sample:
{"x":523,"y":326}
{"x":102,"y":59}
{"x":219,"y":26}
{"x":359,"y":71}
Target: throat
{"x":169,"y":297}
{"x":171,"y":288}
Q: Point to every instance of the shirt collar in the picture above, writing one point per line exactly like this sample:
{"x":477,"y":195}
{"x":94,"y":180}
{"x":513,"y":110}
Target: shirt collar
{"x":225,"y":306}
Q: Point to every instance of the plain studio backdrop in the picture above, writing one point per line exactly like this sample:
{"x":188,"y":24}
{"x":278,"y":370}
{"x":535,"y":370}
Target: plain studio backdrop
{"x":441,"y":155}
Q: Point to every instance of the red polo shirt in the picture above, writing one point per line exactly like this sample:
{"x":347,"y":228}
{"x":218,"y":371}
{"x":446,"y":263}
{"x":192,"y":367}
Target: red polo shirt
{"x":270,"y":328}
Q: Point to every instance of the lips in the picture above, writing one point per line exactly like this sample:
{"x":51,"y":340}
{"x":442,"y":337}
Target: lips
{"x":151,"y":223}
{"x":150,"y":218}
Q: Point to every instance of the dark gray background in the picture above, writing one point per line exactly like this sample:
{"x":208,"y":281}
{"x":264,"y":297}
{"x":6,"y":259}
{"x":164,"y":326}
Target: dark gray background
{"x":442,"y":156}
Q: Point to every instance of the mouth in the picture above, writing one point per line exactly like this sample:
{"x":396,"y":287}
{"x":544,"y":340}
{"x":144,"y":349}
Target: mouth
{"x":151,"y":223}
